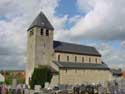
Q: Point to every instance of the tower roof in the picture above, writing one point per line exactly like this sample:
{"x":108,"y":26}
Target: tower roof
{"x":41,"y":21}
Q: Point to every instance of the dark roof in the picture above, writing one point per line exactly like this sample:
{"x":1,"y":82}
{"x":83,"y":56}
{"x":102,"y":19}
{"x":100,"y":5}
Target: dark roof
{"x":116,"y":72}
{"x":41,"y":21}
{"x":71,"y":65}
{"x":75,"y":48}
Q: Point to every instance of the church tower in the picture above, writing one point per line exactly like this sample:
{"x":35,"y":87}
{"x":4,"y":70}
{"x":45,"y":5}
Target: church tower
{"x":39,"y":44}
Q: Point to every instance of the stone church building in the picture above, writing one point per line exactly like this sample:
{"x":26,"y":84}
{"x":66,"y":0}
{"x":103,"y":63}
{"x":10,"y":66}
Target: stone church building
{"x":70,"y":63}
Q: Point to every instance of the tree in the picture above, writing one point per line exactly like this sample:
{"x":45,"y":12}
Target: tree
{"x":9,"y":77}
{"x":40,"y":76}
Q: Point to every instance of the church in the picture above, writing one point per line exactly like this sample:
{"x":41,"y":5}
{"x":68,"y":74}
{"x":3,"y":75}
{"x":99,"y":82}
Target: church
{"x":70,"y":63}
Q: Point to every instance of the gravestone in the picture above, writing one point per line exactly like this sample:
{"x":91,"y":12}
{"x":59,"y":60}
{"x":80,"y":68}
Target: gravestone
{"x":13,"y":87}
{"x":46,"y":85}
{"x":102,"y":90}
{"x":4,"y":89}
{"x":19,"y":89}
{"x":14,"y":83}
{"x":37,"y":88}
{"x":122,"y":84}
{"x":31,"y":92}
{"x":0,"y":89}
{"x":26,"y":91}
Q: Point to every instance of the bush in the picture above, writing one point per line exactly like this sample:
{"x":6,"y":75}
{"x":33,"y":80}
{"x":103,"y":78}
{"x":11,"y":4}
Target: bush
{"x":40,"y":76}
{"x":9,"y":78}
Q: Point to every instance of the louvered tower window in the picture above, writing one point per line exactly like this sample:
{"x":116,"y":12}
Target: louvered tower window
{"x":41,"y":32}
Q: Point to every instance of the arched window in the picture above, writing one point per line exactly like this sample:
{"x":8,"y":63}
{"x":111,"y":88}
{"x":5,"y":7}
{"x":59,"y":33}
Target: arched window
{"x":41,"y":32}
{"x":96,"y":60}
{"x":68,"y":58}
{"x":75,"y":58}
{"x":47,"y":32}
{"x":89,"y":60}
{"x":58,"y":57}
{"x":66,"y":70}
{"x":82,"y":59}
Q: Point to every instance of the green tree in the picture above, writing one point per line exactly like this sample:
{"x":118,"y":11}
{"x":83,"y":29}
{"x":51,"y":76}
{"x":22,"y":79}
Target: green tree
{"x":40,"y":76}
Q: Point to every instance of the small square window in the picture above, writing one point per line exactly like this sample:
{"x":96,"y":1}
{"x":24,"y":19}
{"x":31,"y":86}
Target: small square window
{"x":67,"y":58}
{"x":89,"y":60}
{"x":96,"y":60}
{"x":82,"y":59}
{"x":75,"y":58}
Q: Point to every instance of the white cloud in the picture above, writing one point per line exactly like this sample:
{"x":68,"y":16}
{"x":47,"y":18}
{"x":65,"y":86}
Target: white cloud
{"x":59,"y":22}
{"x":104,"y":21}
{"x":85,"y":5}
{"x":114,"y":57}
{"x":17,"y":16}
{"x":74,"y":19}
{"x":123,"y":44}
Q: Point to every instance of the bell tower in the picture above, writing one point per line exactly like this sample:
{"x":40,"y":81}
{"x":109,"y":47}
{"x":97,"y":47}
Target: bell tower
{"x":39,"y":44}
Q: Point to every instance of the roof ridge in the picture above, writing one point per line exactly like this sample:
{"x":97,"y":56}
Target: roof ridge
{"x":74,"y":43}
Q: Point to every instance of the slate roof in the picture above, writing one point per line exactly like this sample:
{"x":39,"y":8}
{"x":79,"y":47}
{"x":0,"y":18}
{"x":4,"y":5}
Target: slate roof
{"x":71,"y":65}
{"x":41,"y":21}
{"x":75,"y":48}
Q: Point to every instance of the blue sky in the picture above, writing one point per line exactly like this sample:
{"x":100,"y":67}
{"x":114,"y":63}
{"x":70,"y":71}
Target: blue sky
{"x":99,"y":23}
{"x":67,"y":7}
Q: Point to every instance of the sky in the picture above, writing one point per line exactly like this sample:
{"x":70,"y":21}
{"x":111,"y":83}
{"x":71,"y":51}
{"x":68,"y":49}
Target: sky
{"x":98,"y":23}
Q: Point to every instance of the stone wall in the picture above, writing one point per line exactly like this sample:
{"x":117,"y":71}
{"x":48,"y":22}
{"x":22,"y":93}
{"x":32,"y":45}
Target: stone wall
{"x":79,"y":76}
{"x":39,"y":50}
{"x":43,"y":47}
{"x":54,"y":80}
{"x":30,"y":55}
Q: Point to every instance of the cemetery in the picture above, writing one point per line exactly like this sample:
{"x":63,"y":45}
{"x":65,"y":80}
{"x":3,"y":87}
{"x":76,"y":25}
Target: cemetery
{"x":41,"y":79}
{"x":113,"y":87}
